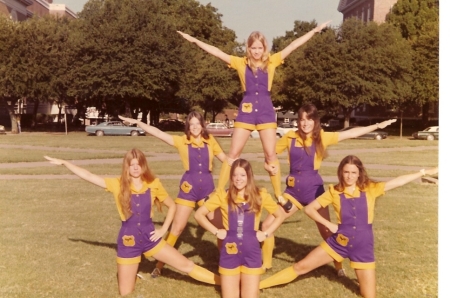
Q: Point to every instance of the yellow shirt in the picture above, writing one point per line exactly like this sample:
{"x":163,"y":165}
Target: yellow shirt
{"x":181,"y":143}
{"x":328,"y":138}
{"x":331,"y":196}
{"x":157,"y":192}
{"x":218,"y":199}
{"x":240,"y":64}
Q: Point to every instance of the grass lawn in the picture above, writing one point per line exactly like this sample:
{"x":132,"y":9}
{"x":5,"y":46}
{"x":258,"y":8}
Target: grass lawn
{"x":58,"y":237}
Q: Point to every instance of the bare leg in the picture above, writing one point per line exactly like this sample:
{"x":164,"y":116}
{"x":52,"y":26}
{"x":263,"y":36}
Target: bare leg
{"x":269,"y":244}
{"x":325,"y":233}
{"x":126,"y":277}
{"x":230,"y":286}
{"x":174,"y":258}
{"x":250,"y":285}
{"x":367,"y":283}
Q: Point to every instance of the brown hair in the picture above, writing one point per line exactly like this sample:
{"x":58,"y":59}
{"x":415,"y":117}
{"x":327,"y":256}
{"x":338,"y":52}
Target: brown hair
{"x":195,"y":114}
{"x":251,"y":192}
{"x":125,"y":179}
{"x":363,"y":179}
{"x":257,"y":36}
{"x":312,"y":114}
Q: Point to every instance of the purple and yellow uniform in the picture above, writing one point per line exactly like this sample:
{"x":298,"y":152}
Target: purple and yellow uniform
{"x":241,"y":252}
{"x":197,"y":158}
{"x":303,"y":184}
{"x":256,"y":109}
{"x":134,"y":235}
{"x":354,"y":212}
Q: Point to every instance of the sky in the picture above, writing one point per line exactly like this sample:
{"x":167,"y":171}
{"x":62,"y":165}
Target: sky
{"x":235,"y":14}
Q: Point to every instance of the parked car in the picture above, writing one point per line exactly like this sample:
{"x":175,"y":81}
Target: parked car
{"x":219,"y":130}
{"x":171,"y":125}
{"x":430,"y":133}
{"x":374,"y":135}
{"x":2,"y":130}
{"x":114,"y":128}
{"x":280,"y":131}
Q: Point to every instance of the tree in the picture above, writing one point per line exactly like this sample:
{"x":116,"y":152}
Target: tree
{"x":356,"y":65}
{"x":418,"y":21}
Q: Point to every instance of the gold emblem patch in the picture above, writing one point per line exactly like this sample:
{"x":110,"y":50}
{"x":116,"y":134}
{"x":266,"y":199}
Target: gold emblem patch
{"x":291,"y":181}
{"x":247,"y":107}
{"x":186,"y":187}
{"x":128,"y":240}
{"x":342,"y":240}
{"x":231,"y":248}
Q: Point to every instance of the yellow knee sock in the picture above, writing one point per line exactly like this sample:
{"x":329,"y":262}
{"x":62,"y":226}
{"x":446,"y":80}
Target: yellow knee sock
{"x":267,"y":252}
{"x":283,"y":277}
{"x":224,"y":175}
{"x":171,"y":240}
{"x":204,"y":275}
{"x":276,"y":179}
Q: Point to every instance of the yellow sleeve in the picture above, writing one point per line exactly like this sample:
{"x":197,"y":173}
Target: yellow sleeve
{"x":329,"y":138}
{"x":178,"y":141}
{"x":215,"y":200}
{"x":112,"y":185}
{"x":237,"y":62}
{"x":282,"y":144}
{"x":267,"y":201}
{"x":158,"y":190}
{"x":215,"y":146}
{"x":376,"y":189}
{"x":275,"y":59}
{"x":327,"y":197}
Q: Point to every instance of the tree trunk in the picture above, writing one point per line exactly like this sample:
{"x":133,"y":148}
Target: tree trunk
{"x":35,"y":110}
{"x":425,"y":114}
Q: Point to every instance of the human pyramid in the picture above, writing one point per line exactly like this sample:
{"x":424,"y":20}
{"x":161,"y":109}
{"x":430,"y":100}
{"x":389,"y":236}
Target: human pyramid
{"x":233,"y":213}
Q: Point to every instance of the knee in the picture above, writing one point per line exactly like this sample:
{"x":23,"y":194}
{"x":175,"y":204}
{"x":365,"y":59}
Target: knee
{"x":177,"y":229}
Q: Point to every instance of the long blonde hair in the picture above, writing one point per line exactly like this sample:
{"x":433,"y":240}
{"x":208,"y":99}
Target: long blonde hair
{"x":251,"y":192}
{"x":125,"y":178}
{"x":257,"y":36}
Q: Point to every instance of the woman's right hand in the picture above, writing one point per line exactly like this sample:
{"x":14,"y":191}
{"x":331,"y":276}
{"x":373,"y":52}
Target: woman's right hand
{"x":187,"y":36}
{"x":333,"y":227}
{"x":54,"y":161}
{"x":128,"y":120}
{"x":221,"y":234}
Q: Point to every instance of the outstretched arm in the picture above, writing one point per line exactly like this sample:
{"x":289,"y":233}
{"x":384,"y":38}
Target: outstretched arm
{"x":200,"y":217}
{"x":359,"y":131}
{"x":311,"y":211}
{"x":80,"y":172}
{"x":165,"y":137}
{"x":404,"y":179}
{"x":301,"y":40}
{"x":208,"y":48}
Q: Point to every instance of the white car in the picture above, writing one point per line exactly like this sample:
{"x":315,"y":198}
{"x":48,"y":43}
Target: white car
{"x":281,"y":131}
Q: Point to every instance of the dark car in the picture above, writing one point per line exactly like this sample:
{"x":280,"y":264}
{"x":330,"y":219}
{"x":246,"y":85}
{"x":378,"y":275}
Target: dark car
{"x":171,"y":125}
{"x":114,"y":128}
{"x":219,"y":130}
{"x":374,"y":135}
{"x":430,"y":133}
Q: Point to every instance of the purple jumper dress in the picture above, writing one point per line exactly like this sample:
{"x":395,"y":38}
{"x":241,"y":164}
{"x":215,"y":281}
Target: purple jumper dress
{"x":241,"y":247}
{"x":354,"y":238}
{"x":256,"y":106}
{"x":197,"y":182}
{"x":303,"y":183}
{"x":134,"y":235}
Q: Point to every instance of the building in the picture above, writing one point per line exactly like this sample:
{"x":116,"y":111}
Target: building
{"x":21,"y":10}
{"x":366,"y":10}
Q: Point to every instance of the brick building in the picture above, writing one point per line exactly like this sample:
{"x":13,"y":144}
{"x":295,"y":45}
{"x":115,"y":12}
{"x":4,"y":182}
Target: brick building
{"x":21,"y":10}
{"x":366,"y":10}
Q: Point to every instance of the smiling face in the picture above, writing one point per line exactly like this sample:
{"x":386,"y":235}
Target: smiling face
{"x":135,"y":169}
{"x":256,"y":50}
{"x":239,"y":178}
{"x":350,"y":175}
{"x":195,"y":127}
{"x":305,"y":124}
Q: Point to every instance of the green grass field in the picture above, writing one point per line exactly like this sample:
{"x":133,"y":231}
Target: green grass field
{"x":58,"y":236}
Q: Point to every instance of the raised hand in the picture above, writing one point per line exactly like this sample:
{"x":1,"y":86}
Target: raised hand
{"x":386,"y":123}
{"x":128,"y":120}
{"x":187,"y":36}
{"x":54,"y":161}
{"x":321,"y":26}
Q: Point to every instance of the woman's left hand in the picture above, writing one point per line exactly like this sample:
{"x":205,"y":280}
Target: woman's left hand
{"x":386,"y":123}
{"x":128,"y":120}
{"x":156,"y":234}
{"x":261,"y":236}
